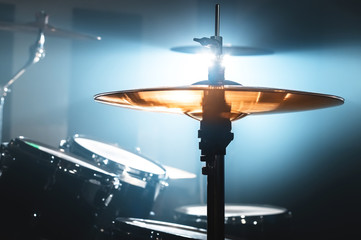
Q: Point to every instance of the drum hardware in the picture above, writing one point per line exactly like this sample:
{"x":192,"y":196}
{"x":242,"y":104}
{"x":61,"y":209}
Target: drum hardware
{"x":37,"y":50}
{"x":216,"y":104}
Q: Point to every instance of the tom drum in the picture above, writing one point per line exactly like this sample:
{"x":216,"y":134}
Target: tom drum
{"x":141,"y":179}
{"x":49,"y":194}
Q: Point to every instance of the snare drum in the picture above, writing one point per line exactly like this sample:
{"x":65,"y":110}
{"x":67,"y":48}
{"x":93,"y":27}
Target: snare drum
{"x":247,"y":221}
{"x":141,"y":178}
{"x":141,"y":229}
{"x":46,"y":193}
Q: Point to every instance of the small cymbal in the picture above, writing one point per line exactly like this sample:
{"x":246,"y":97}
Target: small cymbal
{"x":227,"y":50}
{"x":42,"y":22}
{"x":176,"y":173}
{"x":241,"y":100}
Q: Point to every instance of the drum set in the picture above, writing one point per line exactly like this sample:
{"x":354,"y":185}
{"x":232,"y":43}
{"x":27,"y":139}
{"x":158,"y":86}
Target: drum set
{"x":91,"y":189}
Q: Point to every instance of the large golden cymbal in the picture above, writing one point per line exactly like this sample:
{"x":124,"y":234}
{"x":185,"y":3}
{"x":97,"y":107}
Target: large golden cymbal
{"x":242,"y":100}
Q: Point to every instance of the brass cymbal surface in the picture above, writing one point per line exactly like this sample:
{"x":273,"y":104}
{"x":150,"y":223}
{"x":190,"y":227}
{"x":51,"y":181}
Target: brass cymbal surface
{"x":241,"y":100}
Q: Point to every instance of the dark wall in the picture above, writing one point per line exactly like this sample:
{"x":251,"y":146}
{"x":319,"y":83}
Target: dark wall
{"x":98,"y":65}
{"x":283,"y":25}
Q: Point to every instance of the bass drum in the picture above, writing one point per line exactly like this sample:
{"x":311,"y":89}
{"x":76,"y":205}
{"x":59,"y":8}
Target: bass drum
{"x":48,"y":194}
{"x":141,"y":229}
{"x":141,"y":179}
{"x":253,"y":222}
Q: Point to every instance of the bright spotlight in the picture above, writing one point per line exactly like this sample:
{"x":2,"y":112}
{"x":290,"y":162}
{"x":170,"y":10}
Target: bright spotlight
{"x":206,"y":59}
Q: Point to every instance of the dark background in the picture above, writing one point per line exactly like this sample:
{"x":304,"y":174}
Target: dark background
{"x":307,"y":162}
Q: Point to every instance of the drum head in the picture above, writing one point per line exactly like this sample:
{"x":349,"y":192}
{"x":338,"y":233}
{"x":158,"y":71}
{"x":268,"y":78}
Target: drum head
{"x":31,"y":146}
{"x":245,"y":221}
{"x":233,"y":210}
{"x":122,"y":157}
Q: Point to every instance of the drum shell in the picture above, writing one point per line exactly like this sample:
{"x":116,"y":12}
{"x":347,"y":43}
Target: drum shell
{"x":45,"y":195}
{"x":274,"y":226}
{"x":139,"y":189}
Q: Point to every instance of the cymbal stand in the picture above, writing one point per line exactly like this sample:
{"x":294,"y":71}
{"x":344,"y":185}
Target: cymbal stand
{"x":37,"y":52}
{"x":215,"y":134}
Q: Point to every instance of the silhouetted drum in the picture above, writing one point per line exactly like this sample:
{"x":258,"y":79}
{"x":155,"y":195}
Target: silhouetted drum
{"x":247,"y":221}
{"x":141,"y":229}
{"x":141,"y":179}
{"x":48,"y":194}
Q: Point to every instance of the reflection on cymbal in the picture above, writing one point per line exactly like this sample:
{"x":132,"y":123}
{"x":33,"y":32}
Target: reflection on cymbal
{"x":240,"y":99}
{"x":176,"y":173}
{"x":42,"y":22}
{"x":226,"y":50}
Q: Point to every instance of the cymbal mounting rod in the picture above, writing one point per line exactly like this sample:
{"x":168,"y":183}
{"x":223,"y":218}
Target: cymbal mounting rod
{"x":217,"y":23}
{"x":216,"y":70}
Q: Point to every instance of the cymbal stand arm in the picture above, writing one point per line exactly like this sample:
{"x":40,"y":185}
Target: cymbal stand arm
{"x":37,"y":52}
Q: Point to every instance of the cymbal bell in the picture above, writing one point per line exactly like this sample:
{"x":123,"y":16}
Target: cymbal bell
{"x":241,"y":100}
{"x":42,"y":23}
{"x":227,"y":50}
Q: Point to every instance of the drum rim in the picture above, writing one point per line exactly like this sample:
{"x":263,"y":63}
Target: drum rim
{"x":125,"y":220}
{"x":136,"y":173}
{"x":24,"y":142}
{"x":161,"y":223}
